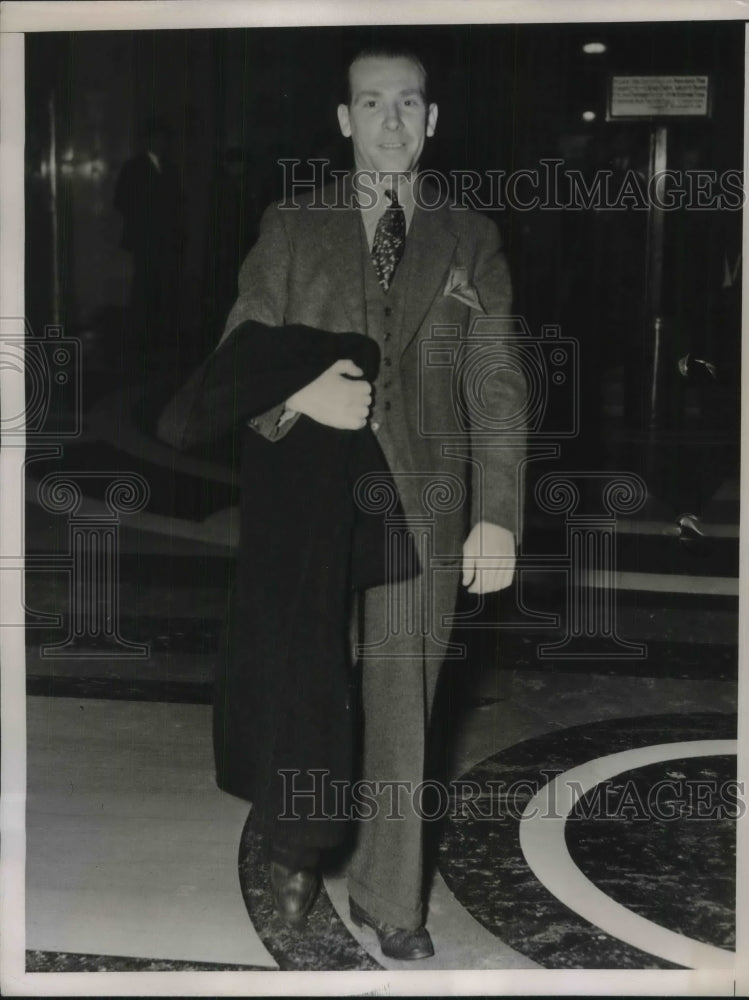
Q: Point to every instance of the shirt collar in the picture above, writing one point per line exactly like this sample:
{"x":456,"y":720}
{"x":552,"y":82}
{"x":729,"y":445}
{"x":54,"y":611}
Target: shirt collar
{"x":369,"y":189}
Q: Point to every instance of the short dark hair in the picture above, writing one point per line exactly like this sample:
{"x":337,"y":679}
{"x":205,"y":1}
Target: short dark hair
{"x":384,"y":51}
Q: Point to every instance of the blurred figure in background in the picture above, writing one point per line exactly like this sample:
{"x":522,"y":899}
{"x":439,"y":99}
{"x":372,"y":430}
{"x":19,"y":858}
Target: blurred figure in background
{"x":148,"y":195}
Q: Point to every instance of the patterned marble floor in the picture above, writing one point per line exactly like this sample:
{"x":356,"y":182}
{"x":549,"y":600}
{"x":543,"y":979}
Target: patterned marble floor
{"x":132,"y":851}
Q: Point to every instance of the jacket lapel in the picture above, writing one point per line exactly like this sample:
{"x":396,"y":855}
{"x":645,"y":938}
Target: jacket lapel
{"x":429,"y":248}
{"x":430,"y":245}
{"x":340,"y":244}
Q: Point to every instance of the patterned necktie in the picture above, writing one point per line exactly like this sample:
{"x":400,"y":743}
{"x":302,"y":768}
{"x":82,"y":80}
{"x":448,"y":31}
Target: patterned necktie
{"x":389,"y":240}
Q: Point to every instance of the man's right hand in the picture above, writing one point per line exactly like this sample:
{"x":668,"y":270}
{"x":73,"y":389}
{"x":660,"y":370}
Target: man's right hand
{"x":335,"y":399}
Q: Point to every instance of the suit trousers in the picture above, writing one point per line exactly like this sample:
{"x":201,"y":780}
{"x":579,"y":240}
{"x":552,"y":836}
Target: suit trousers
{"x":400,"y":666}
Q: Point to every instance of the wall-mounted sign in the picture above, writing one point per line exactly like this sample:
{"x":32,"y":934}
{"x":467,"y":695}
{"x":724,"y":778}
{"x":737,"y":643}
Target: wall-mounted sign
{"x":659,"y":97}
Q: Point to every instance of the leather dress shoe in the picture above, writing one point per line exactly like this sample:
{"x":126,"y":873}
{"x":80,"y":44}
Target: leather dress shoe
{"x":293,"y":892}
{"x":395,"y":942}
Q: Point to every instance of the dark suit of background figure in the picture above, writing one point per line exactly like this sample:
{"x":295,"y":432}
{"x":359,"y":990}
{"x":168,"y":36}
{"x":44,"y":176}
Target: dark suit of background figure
{"x":313,"y":267}
{"x":149,"y":198}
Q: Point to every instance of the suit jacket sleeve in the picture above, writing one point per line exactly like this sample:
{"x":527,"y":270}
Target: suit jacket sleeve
{"x":497,"y":454}
{"x":263,"y":283}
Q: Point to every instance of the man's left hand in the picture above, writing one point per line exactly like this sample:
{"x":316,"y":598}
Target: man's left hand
{"x":488,"y":558}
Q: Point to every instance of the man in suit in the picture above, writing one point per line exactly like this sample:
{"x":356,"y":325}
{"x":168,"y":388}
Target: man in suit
{"x":378,"y":261}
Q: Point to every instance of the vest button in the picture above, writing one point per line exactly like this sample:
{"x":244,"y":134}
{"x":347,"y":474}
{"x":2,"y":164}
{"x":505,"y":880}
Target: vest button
{"x":387,"y":362}
{"x":386,"y":335}
{"x":387,"y":384}
{"x":388,"y":311}
{"x":386,"y":405}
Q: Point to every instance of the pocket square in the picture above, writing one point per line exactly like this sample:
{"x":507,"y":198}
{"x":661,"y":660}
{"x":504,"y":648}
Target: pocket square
{"x":459,"y":288}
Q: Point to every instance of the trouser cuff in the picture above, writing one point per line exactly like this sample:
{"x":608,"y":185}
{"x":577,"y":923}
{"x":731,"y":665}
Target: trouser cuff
{"x":385,"y":910}
{"x":294,"y":856}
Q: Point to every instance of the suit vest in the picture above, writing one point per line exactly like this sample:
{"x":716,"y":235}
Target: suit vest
{"x":384,"y":318}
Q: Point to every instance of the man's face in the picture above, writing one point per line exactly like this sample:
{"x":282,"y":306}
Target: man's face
{"x":388,"y":117}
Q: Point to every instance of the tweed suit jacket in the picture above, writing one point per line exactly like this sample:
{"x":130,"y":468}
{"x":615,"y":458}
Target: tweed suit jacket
{"x":307,"y":268}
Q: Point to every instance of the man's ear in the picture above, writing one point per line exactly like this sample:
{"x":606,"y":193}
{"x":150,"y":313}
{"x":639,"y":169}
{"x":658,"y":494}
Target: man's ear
{"x":431,"y":119}
{"x":344,"y":120}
